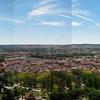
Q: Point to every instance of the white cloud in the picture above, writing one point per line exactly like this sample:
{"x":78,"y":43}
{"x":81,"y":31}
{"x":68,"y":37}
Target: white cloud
{"x":83,"y":14}
{"x":52,"y":23}
{"x":10,"y":19}
{"x":94,"y":26}
{"x":42,"y":2}
{"x":66,"y":16}
{"x":86,"y":18}
{"x":76,"y":24}
{"x":79,"y":11}
{"x":41,"y":10}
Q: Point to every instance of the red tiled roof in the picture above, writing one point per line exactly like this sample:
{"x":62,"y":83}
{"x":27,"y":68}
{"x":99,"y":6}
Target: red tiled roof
{"x":1,"y":65}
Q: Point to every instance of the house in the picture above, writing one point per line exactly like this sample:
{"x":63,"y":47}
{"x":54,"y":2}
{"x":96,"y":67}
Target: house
{"x":29,"y":96}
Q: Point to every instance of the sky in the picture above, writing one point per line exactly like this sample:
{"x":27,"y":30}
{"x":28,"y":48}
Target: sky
{"x":35,"y":22}
{"x":49,"y":21}
{"x":86,"y":22}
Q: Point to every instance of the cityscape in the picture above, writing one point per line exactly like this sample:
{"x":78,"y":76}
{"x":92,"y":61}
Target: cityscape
{"x":49,"y":49}
{"x":50,"y":72}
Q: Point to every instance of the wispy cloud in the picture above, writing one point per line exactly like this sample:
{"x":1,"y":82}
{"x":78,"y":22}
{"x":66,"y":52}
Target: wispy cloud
{"x":30,"y":2}
{"x":52,"y":23}
{"x":94,"y":26}
{"x":82,"y":14}
{"x":43,"y":2}
{"x":86,"y":18}
{"x":43,"y":7}
{"x":80,"y":11}
{"x":66,"y":16}
{"x":48,"y":8}
{"x":41,"y":10}
{"x":10,"y":19}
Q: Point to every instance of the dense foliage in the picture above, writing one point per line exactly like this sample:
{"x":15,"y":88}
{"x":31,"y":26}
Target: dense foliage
{"x":73,"y":84}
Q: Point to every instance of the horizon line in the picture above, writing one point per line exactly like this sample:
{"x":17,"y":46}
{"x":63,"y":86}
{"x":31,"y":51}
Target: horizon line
{"x":53,"y":44}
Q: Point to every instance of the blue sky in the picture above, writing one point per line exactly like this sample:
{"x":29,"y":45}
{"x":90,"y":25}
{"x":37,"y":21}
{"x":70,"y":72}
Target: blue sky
{"x":49,"y":21}
{"x":86,"y":21}
{"x":35,"y":22}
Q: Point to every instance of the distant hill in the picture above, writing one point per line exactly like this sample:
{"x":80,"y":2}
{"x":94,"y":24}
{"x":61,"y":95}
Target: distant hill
{"x":55,"y":48}
{"x":86,"y":46}
{"x":10,"y":48}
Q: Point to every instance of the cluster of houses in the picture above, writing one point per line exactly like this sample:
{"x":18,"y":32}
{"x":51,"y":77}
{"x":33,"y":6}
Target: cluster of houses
{"x":39,"y":65}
